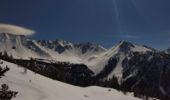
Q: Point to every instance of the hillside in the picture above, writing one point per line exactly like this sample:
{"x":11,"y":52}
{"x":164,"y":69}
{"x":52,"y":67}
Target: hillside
{"x":32,"y":86}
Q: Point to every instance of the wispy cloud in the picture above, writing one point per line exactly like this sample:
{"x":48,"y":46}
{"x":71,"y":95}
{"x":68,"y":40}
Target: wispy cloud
{"x":16,"y":30}
{"x":131,"y":36}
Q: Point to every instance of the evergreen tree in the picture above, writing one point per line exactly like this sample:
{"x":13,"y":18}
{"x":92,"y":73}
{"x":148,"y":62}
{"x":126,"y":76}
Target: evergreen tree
{"x":5,"y":93}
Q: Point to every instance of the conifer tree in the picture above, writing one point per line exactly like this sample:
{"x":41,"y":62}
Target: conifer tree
{"x":5,"y":93}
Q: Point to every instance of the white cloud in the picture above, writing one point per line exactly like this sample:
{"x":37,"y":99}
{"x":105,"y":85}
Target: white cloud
{"x":16,"y":30}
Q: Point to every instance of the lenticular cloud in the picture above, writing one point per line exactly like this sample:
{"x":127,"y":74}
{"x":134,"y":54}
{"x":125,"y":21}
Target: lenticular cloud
{"x":15,"y":30}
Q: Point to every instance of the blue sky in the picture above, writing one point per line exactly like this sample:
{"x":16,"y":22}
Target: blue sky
{"x":100,"y":21}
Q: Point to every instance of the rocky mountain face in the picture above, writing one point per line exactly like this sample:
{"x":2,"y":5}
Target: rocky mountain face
{"x":147,"y":73}
{"x":130,"y":67}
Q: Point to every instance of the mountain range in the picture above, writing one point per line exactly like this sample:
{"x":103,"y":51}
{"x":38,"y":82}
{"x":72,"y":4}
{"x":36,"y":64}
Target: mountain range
{"x":138,"y":68}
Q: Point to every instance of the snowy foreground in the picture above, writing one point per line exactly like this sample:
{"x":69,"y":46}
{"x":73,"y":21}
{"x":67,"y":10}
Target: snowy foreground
{"x":32,"y":86}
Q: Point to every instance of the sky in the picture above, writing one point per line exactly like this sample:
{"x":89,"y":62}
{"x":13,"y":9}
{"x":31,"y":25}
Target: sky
{"x":104,"y":22}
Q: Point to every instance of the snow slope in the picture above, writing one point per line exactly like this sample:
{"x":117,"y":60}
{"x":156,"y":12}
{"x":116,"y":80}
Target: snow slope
{"x":121,"y":50}
{"x":32,"y":86}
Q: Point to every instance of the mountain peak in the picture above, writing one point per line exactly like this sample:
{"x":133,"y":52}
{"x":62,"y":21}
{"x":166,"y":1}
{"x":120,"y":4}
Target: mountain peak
{"x":125,"y":46}
{"x":125,"y":43}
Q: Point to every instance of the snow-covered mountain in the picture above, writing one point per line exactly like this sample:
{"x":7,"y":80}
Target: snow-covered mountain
{"x":20,"y":46}
{"x":13,"y":45}
{"x":137,"y":68}
{"x":31,"y":86}
{"x":94,"y":56}
{"x":120,"y":51}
